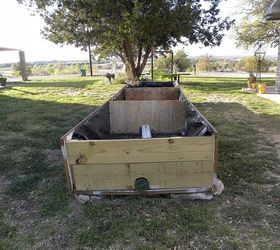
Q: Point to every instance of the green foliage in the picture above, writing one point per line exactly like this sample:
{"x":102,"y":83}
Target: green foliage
{"x":249,"y":64}
{"x":3,"y":81}
{"x":132,"y":29}
{"x":55,"y":69}
{"x":159,"y":74}
{"x":206,"y":63}
{"x":49,"y":69}
{"x":16,"y":71}
{"x":120,"y":79}
{"x":181,"y":61}
{"x":163,"y":62}
{"x":254,"y":28}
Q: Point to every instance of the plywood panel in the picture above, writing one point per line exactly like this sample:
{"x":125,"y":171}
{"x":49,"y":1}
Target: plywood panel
{"x":159,"y":175}
{"x":119,"y":96}
{"x":162,"y":116}
{"x":152,"y":94}
{"x":144,"y":150}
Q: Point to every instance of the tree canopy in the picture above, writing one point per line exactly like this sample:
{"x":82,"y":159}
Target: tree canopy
{"x":181,"y":61}
{"x":206,"y":63}
{"x":254,"y":28}
{"x":132,"y":29}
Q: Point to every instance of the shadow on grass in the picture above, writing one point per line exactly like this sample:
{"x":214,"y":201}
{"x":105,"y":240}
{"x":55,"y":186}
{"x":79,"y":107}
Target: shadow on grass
{"x":30,"y":140}
{"x":30,"y":132}
{"x":245,"y":152}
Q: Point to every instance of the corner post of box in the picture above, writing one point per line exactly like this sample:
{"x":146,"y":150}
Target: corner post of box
{"x":216,"y":152}
{"x":67,"y":169}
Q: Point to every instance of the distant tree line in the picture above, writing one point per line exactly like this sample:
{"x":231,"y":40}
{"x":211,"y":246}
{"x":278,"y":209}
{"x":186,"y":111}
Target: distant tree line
{"x":57,"y":69}
{"x":47,"y":69}
{"x":209,"y":63}
{"x":162,"y":65}
{"x":181,"y":61}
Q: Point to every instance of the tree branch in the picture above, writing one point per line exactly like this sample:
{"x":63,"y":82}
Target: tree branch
{"x":139,"y":56}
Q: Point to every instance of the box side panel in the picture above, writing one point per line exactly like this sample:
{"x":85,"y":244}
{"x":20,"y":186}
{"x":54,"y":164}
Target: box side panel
{"x":152,"y":94}
{"x":96,"y":114}
{"x":160,"y":175}
{"x":183,"y":97}
{"x":139,"y":151}
{"x":162,"y":116}
{"x":97,"y":125}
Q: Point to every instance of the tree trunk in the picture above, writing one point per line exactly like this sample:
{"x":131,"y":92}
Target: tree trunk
{"x":133,"y":72}
{"x":134,"y":66}
{"x":277,"y":84}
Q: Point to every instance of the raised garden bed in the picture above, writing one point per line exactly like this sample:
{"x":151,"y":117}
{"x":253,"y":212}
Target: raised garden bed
{"x":107,"y":153}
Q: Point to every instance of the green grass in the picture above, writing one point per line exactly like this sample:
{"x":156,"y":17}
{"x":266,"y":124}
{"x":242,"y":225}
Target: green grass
{"x":7,"y":232}
{"x":36,"y":211}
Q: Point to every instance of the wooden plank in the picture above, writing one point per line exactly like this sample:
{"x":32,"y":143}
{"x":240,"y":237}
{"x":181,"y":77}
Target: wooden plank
{"x":67,"y":168}
{"x":142,"y":150}
{"x":161,"y":116}
{"x":159,"y":175}
{"x":150,"y":192}
{"x":216,"y":152}
{"x":162,"y":93}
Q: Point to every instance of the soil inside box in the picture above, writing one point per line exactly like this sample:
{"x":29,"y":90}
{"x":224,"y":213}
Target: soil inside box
{"x":160,"y":105}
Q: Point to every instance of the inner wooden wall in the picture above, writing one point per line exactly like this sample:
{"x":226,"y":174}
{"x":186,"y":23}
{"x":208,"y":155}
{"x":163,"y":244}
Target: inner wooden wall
{"x":98,"y":123}
{"x":163,"y":116}
{"x":163,"y":93}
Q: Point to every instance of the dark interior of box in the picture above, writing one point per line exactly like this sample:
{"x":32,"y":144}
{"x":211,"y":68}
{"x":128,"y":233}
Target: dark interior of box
{"x":163,"y":109}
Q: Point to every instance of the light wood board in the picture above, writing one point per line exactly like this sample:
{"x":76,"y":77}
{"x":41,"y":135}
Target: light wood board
{"x":159,"y":175}
{"x":161,"y":116}
{"x":152,"y":93}
{"x":142,"y":150}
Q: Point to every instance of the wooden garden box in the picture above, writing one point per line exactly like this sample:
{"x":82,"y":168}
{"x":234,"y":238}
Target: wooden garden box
{"x":105,"y":154}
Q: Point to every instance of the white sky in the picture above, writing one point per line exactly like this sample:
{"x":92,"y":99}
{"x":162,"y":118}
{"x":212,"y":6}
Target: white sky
{"x":18,"y":29}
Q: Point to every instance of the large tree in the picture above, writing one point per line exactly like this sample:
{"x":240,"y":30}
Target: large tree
{"x":181,"y":61}
{"x":132,"y":29}
{"x":255,"y":29}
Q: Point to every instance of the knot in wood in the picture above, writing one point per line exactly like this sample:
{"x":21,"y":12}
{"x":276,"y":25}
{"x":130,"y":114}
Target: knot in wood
{"x":171,"y":141}
{"x":81,"y":160}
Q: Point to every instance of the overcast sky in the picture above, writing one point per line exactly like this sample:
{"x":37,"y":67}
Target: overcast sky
{"x":18,"y":29}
